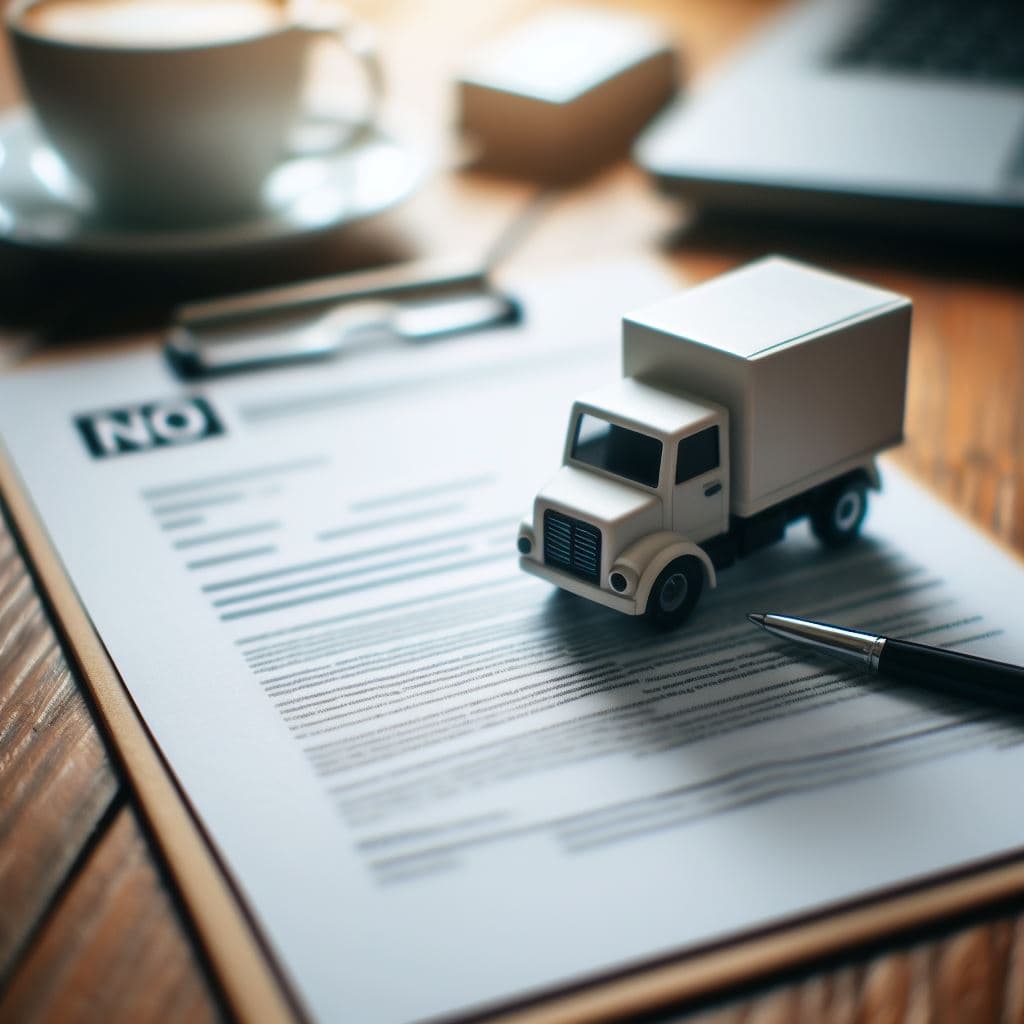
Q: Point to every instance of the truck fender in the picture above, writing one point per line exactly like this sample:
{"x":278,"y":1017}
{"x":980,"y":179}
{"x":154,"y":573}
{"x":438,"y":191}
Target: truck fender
{"x":646,"y":558}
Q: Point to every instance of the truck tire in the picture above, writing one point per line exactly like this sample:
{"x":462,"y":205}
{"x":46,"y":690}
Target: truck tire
{"x":837,"y":516}
{"x":675,"y":593}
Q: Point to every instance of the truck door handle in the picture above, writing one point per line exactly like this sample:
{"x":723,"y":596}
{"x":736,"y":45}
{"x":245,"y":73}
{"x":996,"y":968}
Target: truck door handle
{"x":711,"y":489}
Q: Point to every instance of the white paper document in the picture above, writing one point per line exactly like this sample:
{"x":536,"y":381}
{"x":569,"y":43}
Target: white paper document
{"x":439,"y":783}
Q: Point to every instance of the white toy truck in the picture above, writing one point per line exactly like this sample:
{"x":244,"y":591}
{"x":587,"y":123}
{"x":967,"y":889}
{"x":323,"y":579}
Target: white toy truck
{"x":747,"y":402}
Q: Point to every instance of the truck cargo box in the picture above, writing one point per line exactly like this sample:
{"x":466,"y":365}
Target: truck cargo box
{"x":812,"y":368}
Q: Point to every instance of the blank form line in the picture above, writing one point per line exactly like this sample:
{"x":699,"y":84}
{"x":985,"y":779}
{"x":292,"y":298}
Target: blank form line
{"x":155,"y":493}
{"x":572,"y":828}
{"x":409,"y":671}
{"x":311,"y":719}
{"x":379,"y":611}
{"x":425,"y":647}
{"x":467,"y":530}
{"x":401,"y":497}
{"x":351,"y":641}
{"x":346,"y":574}
{"x":375,"y":843}
{"x":447,"y":611}
{"x":371,"y":585}
{"x":236,"y":556}
{"x":188,"y":506}
{"x":316,"y":403}
{"x":766,"y":783}
{"x":625,"y":727}
{"x":181,"y":524}
{"x":535,"y":693}
{"x":378,"y":524}
{"x":240,"y":531}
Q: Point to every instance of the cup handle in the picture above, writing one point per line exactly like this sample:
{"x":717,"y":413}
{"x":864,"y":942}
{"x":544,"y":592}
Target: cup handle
{"x":359,"y":40}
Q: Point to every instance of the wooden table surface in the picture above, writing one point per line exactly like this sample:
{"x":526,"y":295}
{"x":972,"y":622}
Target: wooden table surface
{"x":90,"y":928}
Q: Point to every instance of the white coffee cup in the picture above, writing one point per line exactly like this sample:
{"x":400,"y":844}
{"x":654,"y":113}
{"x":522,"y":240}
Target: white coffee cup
{"x":176,"y":111}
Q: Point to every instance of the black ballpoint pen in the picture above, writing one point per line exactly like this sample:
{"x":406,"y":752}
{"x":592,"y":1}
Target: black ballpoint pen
{"x":960,"y":675}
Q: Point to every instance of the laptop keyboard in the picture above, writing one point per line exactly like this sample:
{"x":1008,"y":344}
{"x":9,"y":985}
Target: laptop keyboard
{"x":981,"y":40}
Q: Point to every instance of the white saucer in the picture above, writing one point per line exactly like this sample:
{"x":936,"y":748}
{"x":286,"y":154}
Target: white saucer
{"x":42,"y":207}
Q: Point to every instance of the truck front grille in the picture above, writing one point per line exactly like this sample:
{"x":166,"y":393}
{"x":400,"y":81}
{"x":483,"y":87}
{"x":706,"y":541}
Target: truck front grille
{"x":572,"y":545}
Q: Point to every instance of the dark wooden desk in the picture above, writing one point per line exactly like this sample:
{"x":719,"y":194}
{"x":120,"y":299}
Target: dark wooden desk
{"x":89,"y":926}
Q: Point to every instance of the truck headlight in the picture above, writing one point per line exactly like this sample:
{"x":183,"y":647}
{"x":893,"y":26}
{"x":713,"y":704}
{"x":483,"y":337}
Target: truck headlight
{"x":526,"y":539}
{"x":622,"y":579}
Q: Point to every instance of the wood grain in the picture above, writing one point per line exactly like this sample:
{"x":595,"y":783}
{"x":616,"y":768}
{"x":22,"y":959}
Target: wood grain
{"x":113,"y":950}
{"x":965,"y":417}
{"x":965,"y":977}
{"x":56,"y":781}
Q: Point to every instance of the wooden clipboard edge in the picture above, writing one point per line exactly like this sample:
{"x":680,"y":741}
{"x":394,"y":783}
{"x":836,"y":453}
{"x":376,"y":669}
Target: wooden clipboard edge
{"x":244,"y":968}
{"x":757,"y":958}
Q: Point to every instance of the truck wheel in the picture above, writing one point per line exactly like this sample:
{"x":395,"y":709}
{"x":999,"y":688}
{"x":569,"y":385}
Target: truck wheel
{"x":675,"y":593}
{"x":837,"y":517}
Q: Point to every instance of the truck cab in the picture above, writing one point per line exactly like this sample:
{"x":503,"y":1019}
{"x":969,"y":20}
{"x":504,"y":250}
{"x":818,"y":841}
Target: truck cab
{"x":639,"y":463}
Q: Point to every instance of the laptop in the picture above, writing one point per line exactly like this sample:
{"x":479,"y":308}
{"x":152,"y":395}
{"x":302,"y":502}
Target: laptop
{"x":886,"y":112}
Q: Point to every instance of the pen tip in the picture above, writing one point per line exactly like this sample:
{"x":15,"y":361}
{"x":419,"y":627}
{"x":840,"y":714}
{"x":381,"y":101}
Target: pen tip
{"x":757,"y":618}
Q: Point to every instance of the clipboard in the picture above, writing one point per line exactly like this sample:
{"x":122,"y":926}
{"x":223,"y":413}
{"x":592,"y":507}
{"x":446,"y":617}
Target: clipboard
{"x":244,"y":965}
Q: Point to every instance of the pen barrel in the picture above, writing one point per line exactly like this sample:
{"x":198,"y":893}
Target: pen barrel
{"x":960,"y":675}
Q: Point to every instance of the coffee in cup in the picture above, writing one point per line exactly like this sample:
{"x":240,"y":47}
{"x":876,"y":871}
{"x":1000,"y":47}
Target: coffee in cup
{"x":176,"y":111}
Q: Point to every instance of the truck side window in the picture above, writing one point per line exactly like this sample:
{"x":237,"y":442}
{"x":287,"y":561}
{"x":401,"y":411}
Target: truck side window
{"x":619,"y":450}
{"x":697,"y":454}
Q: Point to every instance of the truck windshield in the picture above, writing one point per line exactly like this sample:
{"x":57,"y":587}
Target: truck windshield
{"x":619,"y":450}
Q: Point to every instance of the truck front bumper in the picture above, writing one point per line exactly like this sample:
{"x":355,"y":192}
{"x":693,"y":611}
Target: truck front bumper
{"x":626,"y":605}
